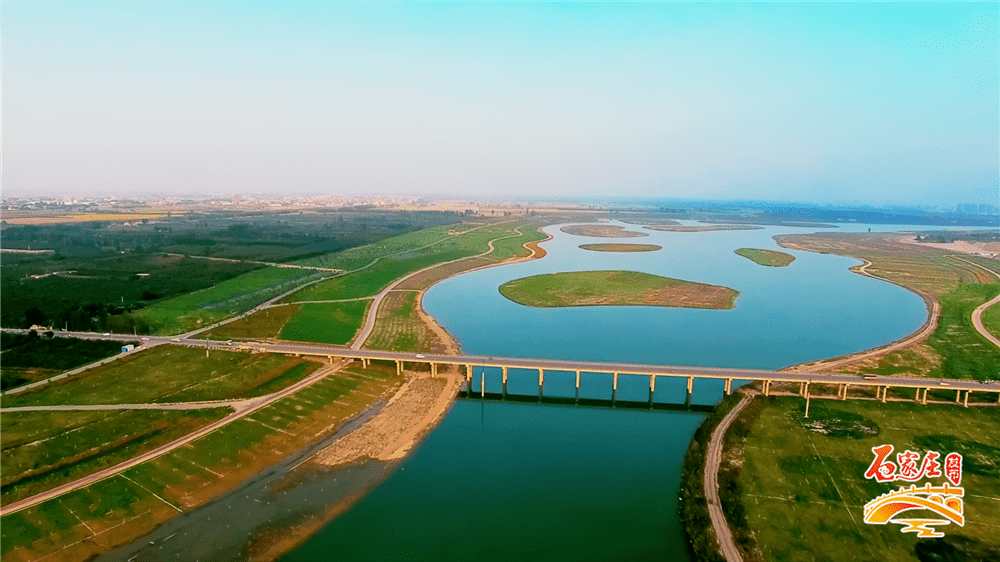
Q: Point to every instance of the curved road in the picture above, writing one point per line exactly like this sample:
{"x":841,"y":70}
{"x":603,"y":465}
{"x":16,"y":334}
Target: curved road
{"x":977,"y":314}
{"x":713,"y":457}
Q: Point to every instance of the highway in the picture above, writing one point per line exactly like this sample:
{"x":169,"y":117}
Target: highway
{"x":565,"y":365}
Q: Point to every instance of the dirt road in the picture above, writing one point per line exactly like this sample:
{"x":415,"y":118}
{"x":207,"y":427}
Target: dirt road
{"x":713,"y":457}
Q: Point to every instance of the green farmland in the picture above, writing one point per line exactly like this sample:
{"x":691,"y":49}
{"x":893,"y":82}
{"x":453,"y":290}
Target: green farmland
{"x":333,"y":322}
{"x":812,"y":472}
{"x":166,"y":374}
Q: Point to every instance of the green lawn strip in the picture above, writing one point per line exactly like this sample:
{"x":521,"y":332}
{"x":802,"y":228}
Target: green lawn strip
{"x":770,"y":258}
{"x":615,"y":288}
{"x":164,"y":373}
{"x":360,"y":256}
{"x":31,"y":469}
{"x":966,"y":353}
{"x":268,"y":374}
{"x":335,"y":322}
{"x":39,"y":357}
{"x":514,"y":247}
{"x":224,"y":299}
{"x":815,"y":477}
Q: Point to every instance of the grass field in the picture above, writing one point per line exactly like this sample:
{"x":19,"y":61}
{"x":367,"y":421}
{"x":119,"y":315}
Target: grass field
{"x":769,"y":258}
{"x":621,"y":247}
{"x":123,"y":507}
{"x":360,"y":256}
{"x":334,"y":322}
{"x":263,"y":324}
{"x":812,"y":473}
{"x":42,"y":450}
{"x":224,"y":299}
{"x":165,"y":374}
{"x":371,"y":280}
{"x":615,"y":288}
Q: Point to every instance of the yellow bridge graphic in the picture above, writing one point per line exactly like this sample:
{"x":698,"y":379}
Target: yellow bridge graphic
{"x":945,"y":501}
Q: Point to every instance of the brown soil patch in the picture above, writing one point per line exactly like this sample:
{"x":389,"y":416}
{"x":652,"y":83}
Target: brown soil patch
{"x":601,"y":231}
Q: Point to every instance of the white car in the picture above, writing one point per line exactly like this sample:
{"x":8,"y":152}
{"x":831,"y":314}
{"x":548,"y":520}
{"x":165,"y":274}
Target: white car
{"x":419,"y":356}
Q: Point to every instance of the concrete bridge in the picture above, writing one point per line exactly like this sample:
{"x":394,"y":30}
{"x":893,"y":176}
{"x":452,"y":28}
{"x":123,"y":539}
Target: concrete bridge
{"x":804,"y":381}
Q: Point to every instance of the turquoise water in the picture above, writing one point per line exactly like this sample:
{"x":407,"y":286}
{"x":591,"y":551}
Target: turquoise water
{"x":513,"y":481}
{"x":811,"y":309}
{"x":500,"y":481}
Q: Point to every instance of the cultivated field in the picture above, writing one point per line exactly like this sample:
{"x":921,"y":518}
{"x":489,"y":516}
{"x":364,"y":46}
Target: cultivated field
{"x":615,"y":288}
{"x":167,"y":374}
{"x":97,"y":517}
{"x":332,"y":322}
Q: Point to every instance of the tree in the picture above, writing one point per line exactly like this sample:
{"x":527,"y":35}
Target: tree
{"x":34,"y":316}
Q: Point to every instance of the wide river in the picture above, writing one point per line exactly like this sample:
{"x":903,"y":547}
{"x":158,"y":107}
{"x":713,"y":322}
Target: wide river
{"x":516,"y":481}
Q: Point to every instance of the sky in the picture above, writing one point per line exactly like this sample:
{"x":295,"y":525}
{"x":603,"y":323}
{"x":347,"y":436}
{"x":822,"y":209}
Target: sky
{"x":811,"y":102}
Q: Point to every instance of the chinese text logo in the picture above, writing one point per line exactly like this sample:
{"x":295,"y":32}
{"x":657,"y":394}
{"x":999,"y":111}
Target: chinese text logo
{"x":917,"y":509}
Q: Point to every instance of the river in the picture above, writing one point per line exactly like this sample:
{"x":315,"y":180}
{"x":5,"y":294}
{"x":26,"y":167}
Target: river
{"x":515,"y":481}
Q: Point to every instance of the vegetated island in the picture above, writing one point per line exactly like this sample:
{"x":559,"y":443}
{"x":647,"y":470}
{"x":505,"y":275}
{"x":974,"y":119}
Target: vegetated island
{"x":601,"y":230}
{"x":705,"y":228}
{"x":621,"y":247}
{"x":770,"y":258}
{"x":615,"y":288}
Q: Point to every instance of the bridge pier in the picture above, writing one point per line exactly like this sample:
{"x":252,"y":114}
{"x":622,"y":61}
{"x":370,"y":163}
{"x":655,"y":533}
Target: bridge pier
{"x":885,"y":393}
{"x":399,"y":368}
{"x":482,"y":384}
{"x":917,"y":397}
{"x":924,"y":401}
{"x":614,"y":388}
{"x":843,"y":391}
{"x":966,"y":404}
{"x":541,"y":383}
{"x":729,"y":387}
{"x":690,"y":388}
{"x":802,"y":389}
{"x":767,"y":387}
{"x":958,"y":396}
{"x":468,"y":380}
{"x":504,"y":377}
{"x":434,"y":369}
{"x":652,"y":388}
{"x":577,"y":399}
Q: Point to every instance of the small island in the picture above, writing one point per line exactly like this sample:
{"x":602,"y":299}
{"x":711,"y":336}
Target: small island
{"x":615,"y":288}
{"x":621,"y":247}
{"x":601,"y":231}
{"x":769,"y":258}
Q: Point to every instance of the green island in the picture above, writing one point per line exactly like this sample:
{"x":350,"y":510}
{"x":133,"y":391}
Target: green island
{"x":770,"y":258}
{"x":621,"y":247}
{"x":615,"y":288}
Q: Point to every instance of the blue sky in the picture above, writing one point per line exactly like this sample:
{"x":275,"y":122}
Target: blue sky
{"x":814,"y":102}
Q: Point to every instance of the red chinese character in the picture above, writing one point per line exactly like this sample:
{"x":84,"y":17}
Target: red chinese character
{"x":931,"y":468}
{"x":908,"y":469}
{"x":953,"y":468}
{"x":881,"y":469}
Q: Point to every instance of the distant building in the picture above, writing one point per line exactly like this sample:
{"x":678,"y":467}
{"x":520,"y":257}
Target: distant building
{"x":127,"y":348}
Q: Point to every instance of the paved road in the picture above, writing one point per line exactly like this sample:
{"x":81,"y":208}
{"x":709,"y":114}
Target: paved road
{"x":977,"y":314}
{"x":252,"y":406}
{"x":236,"y":405}
{"x":369,"y":325}
{"x":567,"y":365}
{"x":713,"y":457}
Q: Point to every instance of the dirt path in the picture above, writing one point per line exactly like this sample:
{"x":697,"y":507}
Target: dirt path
{"x":256,"y":404}
{"x":713,"y":458}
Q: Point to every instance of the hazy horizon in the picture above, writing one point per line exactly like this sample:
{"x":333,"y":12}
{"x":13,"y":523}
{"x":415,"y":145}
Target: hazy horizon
{"x":826,"y":103}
